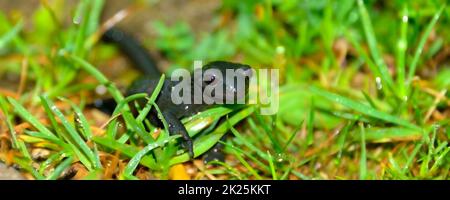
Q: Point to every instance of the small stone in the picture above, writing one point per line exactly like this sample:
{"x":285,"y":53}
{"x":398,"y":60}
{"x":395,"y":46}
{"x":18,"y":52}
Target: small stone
{"x":9,"y":173}
{"x":40,"y":154}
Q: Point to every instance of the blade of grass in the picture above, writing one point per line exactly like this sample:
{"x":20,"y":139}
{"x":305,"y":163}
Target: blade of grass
{"x":439,"y":160}
{"x":402,"y":46}
{"x":112,"y":89}
{"x":359,"y":49}
{"x":23,"y":149}
{"x":257,"y":138}
{"x":79,"y":142}
{"x":115,"y":93}
{"x":367,"y":110}
{"x":120,"y":107}
{"x":85,"y":130}
{"x":132,"y":124}
{"x":94,"y":19}
{"x":52,"y":158}
{"x":27,"y":165}
{"x":94,"y":175}
{"x":249,"y":155}
{"x":272,"y":166}
{"x":165,"y":134}
{"x":425,"y":166}
{"x":11,"y":34}
{"x":367,"y":97}
{"x":300,"y":175}
{"x":310,"y":125}
{"x":286,"y":173}
{"x":197,"y":123}
{"x":133,"y":163}
{"x":372,"y":42}
{"x":22,"y":112}
{"x":420,"y":47}
{"x":411,"y":157}
{"x":126,"y":150}
{"x":363,"y":159}
{"x":269,"y":133}
{"x":342,"y":138}
{"x":40,"y":135}
{"x":395,"y":168}
{"x":81,"y":20}
{"x":144,"y":112}
{"x":202,"y":144}
{"x":61,"y":167}
{"x":291,"y":138}
{"x":246,"y":143}
{"x":390,"y":134}
{"x":52,"y":119}
{"x":80,"y":119}
{"x":8,"y":119}
{"x":229,"y":169}
{"x":246,"y":165}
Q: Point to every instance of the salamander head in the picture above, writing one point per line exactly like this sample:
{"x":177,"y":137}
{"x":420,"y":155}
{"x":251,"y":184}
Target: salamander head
{"x":232,"y":78}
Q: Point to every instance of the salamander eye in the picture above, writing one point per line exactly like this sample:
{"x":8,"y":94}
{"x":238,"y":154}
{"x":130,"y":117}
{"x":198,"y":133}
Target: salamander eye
{"x":210,"y":80}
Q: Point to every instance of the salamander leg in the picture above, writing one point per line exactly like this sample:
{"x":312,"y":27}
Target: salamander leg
{"x":216,"y":152}
{"x":176,"y":127}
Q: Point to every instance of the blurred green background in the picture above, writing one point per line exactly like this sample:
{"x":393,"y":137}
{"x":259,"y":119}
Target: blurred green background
{"x":364,"y":91}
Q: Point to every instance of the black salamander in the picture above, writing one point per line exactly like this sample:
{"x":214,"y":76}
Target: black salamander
{"x":172,"y":112}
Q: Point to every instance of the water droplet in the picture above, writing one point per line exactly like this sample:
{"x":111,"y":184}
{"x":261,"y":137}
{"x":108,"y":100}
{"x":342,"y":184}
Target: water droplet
{"x":279,"y":157}
{"x":78,"y":120}
{"x":336,"y":132}
{"x":405,"y":98}
{"x":101,"y":90}
{"x":436,"y":126}
{"x":402,"y":44}
{"x":280,"y":50}
{"x":378,"y":82}
{"x":54,"y":108}
{"x":77,"y":19}
{"x":405,"y":18}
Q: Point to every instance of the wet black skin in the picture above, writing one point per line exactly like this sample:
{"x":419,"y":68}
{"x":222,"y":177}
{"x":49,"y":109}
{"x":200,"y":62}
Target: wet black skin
{"x":172,"y":112}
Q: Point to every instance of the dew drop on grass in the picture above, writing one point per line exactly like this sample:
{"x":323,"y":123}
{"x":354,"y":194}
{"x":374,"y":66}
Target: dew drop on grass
{"x":405,"y":98}
{"x":279,"y":157}
{"x":378,"y":82}
{"x":405,"y":18}
{"x":77,"y":19}
{"x":78,"y":124}
{"x":280,"y":49}
{"x":53,"y":108}
{"x":337,"y":132}
{"x":100,"y":90}
{"x":436,"y":126}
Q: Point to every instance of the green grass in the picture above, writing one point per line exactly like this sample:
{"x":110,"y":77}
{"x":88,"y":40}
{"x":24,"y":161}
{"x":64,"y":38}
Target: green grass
{"x":334,"y":121}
